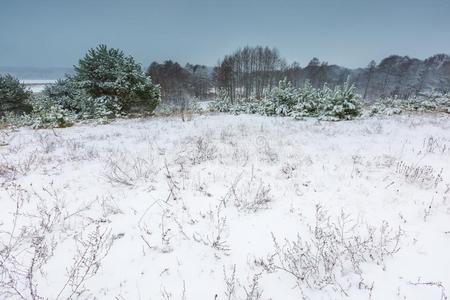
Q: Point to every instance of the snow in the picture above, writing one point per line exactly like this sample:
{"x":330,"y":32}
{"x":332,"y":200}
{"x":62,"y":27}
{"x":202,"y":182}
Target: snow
{"x":37,"y":85}
{"x":163,"y":190}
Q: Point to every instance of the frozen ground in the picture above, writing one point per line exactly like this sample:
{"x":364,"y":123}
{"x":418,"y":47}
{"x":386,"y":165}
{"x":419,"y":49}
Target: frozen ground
{"x":37,"y":85}
{"x":227,"y":207}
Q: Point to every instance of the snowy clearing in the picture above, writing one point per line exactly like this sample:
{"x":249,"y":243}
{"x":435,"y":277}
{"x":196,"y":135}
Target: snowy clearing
{"x":37,"y":85}
{"x":227,"y":207}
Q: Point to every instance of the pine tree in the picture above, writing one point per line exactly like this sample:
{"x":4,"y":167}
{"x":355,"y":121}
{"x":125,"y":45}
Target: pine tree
{"x":110,"y":73}
{"x":66,"y":93}
{"x":283,"y":97}
{"x":13,"y":96}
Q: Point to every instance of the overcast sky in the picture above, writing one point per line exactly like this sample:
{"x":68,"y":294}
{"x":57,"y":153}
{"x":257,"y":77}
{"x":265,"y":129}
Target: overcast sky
{"x":44,"y":33}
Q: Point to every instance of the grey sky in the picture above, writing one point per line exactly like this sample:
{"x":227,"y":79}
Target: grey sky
{"x":44,"y":33}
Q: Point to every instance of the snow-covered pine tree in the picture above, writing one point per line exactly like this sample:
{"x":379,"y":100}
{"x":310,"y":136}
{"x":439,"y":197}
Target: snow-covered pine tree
{"x":66,"y":93}
{"x":105,"y":72}
{"x":308,"y":102}
{"x":281,"y":99}
{"x":13,"y":96}
{"x":341,"y":103}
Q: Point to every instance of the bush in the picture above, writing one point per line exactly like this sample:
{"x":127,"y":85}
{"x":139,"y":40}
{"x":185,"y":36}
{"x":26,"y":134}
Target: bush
{"x":10,"y":119}
{"x":309,"y":102}
{"x":341,"y":102}
{"x":185,"y":109}
{"x":108,"y":72}
{"x":47,"y":113}
{"x":66,"y":93}
{"x":424,"y":102}
{"x":281,"y":99}
{"x":223,"y":103}
{"x":338,"y":247}
{"x":13,"y":96}
{"x":285,"y":100}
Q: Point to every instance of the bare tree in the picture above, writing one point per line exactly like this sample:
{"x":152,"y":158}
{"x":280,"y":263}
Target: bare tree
{"x":248,"y":71}
{"x":370,"y":70}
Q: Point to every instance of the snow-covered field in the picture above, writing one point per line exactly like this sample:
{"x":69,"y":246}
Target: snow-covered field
{"x":37,"y":85}
{"x":227,"y":207}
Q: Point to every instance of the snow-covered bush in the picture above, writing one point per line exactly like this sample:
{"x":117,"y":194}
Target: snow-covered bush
{"x":340,"y":102}
{"x":189,"y":106}
{"x":223,"y":102}
{"x":121,"y":169}
{"x":13,"y":95}
{"x":281,"y":99}
{"x":109,"y":72}
{"x":423,"y":102}
{"x":55,"y":108}
{"x":336,"y":249}
{"x":68,"y":94}
{"x":194,"y":106}
{"x":10,"y":119}
{"x":285,"y":100}
{"x":246,"y":106}
{"x":308,"y":103}
{"x":103,"y":107}
{"x":47,"y":113}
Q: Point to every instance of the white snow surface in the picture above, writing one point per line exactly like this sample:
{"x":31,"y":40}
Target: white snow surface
{"x":37,"y":85}
{"x":175,"y":201}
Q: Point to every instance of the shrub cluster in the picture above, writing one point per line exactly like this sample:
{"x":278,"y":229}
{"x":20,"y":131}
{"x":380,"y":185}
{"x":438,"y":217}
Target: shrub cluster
{"x":72,"y":102}
{"x":190,"y":105}
{"x":285,"y":100}
{"x":337,"y":248}
{"x":425,"y":102}
{"x":106,"y":84}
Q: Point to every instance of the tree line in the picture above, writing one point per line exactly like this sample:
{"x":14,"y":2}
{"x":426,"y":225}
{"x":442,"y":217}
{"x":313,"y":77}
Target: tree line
{"x":178,"y":83}
{"x":250,"y":71}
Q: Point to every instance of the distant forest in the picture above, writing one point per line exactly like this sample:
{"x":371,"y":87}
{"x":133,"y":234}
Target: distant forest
{"x":249,"y":71}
